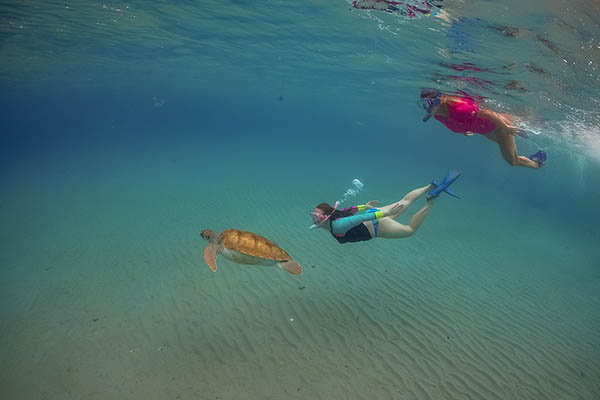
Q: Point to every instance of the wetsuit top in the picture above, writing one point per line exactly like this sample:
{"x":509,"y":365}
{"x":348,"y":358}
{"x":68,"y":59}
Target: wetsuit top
{"x":347,"y":227}
{"x":462,"y":118}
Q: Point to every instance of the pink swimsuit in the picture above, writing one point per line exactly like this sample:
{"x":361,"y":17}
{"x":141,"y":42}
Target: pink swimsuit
{"x":462,"y":118}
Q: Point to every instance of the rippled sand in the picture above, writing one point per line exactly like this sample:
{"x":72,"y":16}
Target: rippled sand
{"x":107,"y":296}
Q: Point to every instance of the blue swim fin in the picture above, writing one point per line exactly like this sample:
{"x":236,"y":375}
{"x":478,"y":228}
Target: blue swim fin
{"x":540,"y":157}
{"x":445,"y":185}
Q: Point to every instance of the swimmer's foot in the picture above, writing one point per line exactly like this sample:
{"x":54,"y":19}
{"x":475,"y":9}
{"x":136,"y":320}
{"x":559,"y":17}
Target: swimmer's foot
{"x":523,"y":133}
{"x":445,"y":185}
{"x":540,"y":158}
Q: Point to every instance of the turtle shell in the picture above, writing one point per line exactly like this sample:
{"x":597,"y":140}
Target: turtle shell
{"x":252,"y":244}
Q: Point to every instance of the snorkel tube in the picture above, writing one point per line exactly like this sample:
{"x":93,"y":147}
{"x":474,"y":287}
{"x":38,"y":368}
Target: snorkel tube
{"x":322,"y":221}
{"x":432,"y":105}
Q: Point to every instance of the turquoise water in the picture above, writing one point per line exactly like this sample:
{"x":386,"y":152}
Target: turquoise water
{"x":127,"y":128}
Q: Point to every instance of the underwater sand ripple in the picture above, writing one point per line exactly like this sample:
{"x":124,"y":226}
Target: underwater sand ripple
{"x":414,"y":319}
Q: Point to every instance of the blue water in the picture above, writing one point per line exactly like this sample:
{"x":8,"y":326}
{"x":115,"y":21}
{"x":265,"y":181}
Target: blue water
{"x":127,"y":128}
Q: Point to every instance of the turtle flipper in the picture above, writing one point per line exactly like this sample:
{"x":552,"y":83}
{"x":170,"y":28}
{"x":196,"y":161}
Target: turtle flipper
{"x":290,"y":266}
{"x":210,"y":256}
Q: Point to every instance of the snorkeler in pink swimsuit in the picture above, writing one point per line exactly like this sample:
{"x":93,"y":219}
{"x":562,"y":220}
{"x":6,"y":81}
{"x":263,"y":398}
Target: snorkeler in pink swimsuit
{"x":463,"y":115}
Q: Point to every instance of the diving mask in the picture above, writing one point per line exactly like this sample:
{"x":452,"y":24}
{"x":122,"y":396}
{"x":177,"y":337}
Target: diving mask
{"x":430,"y":106}
{"x":319,"y":218}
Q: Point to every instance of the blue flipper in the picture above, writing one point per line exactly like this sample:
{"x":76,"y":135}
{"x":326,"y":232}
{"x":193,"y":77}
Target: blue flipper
{"x":540,"y":157}
{"x":445,"y":185}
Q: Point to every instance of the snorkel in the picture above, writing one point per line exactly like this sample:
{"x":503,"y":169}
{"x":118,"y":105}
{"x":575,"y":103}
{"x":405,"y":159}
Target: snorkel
{"x":321,"y":218}
{"x":429,"y":105}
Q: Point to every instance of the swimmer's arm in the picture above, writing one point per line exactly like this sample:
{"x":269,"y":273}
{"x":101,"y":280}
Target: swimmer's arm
{"x":355,"y":209}
{"x":361,"y":207}
{"x":343,"y":225}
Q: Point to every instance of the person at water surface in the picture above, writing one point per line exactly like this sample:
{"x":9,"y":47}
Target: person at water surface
{"x":462,"y":114}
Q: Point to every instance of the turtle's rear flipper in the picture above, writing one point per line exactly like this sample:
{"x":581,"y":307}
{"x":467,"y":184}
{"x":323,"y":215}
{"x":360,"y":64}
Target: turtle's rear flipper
{"x":210,"y":256}
{"x":290,"y":266}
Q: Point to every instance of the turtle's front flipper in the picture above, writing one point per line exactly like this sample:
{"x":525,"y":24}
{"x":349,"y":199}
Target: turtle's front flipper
{"x":210,"y":256}
{"x":290,"y":266}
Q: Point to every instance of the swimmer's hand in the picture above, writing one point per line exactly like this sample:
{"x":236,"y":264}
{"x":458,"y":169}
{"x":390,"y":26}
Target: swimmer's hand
{"x":396,"y":208}
{"x":371,"y":204}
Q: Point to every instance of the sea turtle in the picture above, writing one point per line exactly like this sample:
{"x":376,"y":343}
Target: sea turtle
{"x":246,"y":248}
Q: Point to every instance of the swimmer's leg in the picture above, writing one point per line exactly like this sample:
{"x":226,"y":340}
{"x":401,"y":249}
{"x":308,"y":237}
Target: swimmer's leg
{"x":408,"y":200}
{"x":415,"y":194}
{"x":392,"y":229}
{"x":508,"y":148}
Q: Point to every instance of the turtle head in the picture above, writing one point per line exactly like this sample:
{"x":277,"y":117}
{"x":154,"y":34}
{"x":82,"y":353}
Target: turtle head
{"x":209,"y":235}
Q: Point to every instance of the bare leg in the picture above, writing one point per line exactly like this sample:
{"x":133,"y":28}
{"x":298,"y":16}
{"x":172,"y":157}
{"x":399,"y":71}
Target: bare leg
{"x":392,"y":229}
{"x":508,"y":148}
{"x":407,"y":200}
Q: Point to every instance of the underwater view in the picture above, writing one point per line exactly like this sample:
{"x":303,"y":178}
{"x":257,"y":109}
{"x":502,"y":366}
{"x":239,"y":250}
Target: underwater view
{"x":280,"y":199}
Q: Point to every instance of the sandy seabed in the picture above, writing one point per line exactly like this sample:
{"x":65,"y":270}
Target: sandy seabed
{"x":108,"y":297}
